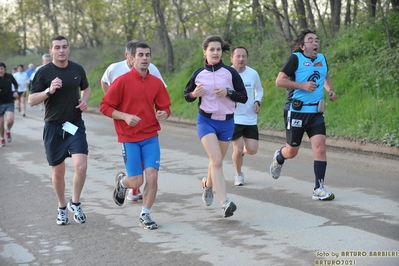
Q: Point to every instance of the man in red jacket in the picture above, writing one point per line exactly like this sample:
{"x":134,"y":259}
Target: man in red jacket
{"x":137,"y":101}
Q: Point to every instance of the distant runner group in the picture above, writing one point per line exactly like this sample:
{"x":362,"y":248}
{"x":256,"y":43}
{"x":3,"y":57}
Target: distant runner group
{"x":136,"y":98}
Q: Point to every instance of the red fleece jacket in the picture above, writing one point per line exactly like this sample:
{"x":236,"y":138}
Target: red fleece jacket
{"x":131,"y":93}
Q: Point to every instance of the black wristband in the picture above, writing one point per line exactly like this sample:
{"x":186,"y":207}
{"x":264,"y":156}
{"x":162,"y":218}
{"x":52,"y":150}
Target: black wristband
{"x":258,"y":102}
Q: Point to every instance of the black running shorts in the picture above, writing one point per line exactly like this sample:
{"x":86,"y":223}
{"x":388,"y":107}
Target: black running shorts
{"x":59,"y":144}
{"x":248,"y":132}
{"x":296,"y":124}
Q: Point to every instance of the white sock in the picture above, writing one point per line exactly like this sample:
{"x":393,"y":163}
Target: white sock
{"x":120,"y":182}
{"x":145,"y":210}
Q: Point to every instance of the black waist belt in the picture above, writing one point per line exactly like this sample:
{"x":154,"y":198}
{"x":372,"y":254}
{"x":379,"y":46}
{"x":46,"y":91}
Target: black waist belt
{"x":202,"y":112}
{"x":310,"y":104}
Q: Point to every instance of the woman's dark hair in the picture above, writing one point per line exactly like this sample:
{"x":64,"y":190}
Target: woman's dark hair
{"x":3,"y":65}
{"x":216,"y":38}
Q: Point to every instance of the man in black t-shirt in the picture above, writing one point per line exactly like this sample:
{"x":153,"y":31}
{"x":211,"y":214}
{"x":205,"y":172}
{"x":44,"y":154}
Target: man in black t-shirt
{"x":7,"y":95}
{"x":63,"y":86}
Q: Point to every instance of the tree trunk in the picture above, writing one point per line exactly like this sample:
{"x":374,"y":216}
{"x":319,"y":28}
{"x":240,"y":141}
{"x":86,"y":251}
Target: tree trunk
{"x":163,"y":32}
{"x":180,"y":12}
{"x":320,"y":20}
{"x":22,"y":18}
{"x":259,"y":21}
{"x":384,"y":19}
{"x":310,"y":14}
{"x":395,"y":5}
{"x":227,"y":31}
{"x":286,"y":19}
{"x":348,"y":21}
{"x":51,"y":7}
{"x":335,"y":15}
{"x":300,"y":7}
{"x":355,"y":8}
{"x":372,"y":6}
{"x":277,"y":17}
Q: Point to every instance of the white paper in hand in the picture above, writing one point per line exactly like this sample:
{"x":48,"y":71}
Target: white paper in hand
{"x":69,"y":127}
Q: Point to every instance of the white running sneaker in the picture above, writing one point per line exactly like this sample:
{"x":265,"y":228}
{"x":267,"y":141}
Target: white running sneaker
{"x":207,"y":196}
{"x":78,"y":216}
{"x":239,"y":179}
{"x":322,"y":194}
{"x":62,"y":217}
{"x":275,"y":167}
{"x":146,"y":222}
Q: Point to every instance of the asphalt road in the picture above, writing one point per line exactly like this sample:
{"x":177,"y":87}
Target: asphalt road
{"x":276,"y":222}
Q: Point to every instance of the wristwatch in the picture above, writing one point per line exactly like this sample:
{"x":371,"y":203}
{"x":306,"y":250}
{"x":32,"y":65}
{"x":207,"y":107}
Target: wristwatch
{"x":229,"y":91}
{"x":48,"y":93}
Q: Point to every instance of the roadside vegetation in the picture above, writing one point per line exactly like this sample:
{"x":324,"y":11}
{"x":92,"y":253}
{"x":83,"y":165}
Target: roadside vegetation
{"x":362,"y":63}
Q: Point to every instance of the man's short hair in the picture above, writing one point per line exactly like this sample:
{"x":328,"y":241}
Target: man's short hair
{"x":46,"y":56}
{"x":138,"y":45}
{"x":57,"y":38}
{"x":129,"y":45}
{"x":239,"y":47}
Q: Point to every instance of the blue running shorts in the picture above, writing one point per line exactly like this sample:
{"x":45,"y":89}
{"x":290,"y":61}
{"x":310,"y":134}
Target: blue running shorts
{"x":141,"y":155}
{"x":223,"y":129}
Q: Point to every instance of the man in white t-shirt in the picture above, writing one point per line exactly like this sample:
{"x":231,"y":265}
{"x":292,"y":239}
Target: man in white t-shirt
{"x":112,"y":72}
{"x":46,"y":58}
{"x":117,"y":69}
{"x":246,"y":134}
{"x":23,"y":82}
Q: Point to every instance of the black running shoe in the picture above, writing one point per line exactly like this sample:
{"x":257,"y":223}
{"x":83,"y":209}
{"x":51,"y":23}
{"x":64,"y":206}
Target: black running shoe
{"x":228,"y":208}
{"x":119,"y":191}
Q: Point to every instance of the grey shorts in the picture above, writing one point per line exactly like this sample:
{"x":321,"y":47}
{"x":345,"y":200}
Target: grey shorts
{"x":6,"y":107}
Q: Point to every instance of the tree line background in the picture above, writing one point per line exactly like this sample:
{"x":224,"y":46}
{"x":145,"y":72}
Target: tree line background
{"x":359,"y":38}
{"x":27,"y":25}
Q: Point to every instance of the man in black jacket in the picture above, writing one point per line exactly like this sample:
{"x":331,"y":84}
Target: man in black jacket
{"x":7,"y":94}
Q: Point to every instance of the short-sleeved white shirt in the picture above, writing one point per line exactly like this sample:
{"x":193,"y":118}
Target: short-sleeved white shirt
{"x":22,"y":80}
{"x":245,"y":113}
{"x":117,"y":69}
